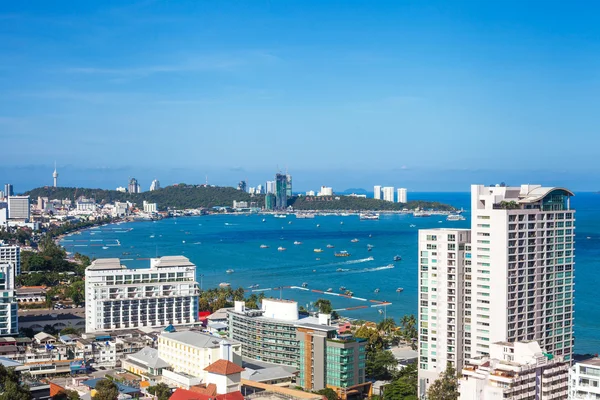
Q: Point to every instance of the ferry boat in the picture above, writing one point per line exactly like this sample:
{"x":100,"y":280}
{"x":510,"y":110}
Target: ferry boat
{"x":305,"y":216}
{"x":304,"y":284}
{"x":342,"y":253}
{"x":397,"y":258}
{"x":281,"y":248}
{"x":297,"y":243}
{"x":455,"y":217}
{"x":399,"y":290}
{"x":264,"y":246}
{"x":354,"y":240}
{"x":230,"y":271}
{"x":330,"y":246}
{"x":318,"y":250}
{"x":368,"y":216}
{"x":224,"y":284}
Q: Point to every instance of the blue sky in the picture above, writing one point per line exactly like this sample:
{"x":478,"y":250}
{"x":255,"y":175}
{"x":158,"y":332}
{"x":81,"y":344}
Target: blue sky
{"x":427,"y":95}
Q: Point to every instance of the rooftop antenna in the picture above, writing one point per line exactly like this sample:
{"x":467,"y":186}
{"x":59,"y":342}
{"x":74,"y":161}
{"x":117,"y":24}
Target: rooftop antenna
{"x":206,"y":179}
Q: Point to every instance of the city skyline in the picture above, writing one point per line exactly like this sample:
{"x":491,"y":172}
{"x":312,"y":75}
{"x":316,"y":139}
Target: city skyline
{"x":431,"y":87}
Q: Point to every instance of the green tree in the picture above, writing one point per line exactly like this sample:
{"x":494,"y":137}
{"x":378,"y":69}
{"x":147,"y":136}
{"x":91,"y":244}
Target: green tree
{"x":106,"y":390}
{"x":404,"y":385}
{"x":387,"y":325}
{"x":380,"y":364}
{"x":76,"y":291}
{"x":10,"y":388}
{"x":329,"y":393}
{"x":161,"y":391}
{"x":324,"y":306}
{"x":67,"y":395}
{"x":446,"y":386}
{"x":69,"y":330}
{"x":408,"y":329}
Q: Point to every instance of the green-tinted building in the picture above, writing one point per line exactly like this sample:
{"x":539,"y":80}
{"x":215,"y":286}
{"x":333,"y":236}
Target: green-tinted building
{"x":269,"y":201}
{"x":281,"y":190}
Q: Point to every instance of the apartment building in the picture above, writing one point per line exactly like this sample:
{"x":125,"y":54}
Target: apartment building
{"x":10,"y":267}
{"x":121,"y":298}
{"x":515,"y":370}
{"x":584,"y":380}
{"x":517,"y":280}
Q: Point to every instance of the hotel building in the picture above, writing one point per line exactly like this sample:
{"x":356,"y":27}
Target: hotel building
{"x":121,"y":298}
{"x":278,"y":334}
{"x":10,"y":267}
{"x":518,"y":275}
{"x":584,"y":380}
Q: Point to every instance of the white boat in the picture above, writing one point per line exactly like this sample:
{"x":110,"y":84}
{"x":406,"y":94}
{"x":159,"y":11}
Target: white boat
{"x":264,"y":246}
{"x":318,"y":225}
{"x":368,"y":216}
{"x":224,"y":284}
{"x":399,"y":290}
{"x":297,"y":243}
{"x":280,"y":216}
{"x":397,"y":258}
{"x":254,"y":286}
{"x":354,"y":240}
{"x":341,"y":222}
{"x":304,"y":284}
{"x":318,"y":250}
{"x":264,"y":220}
{"x":230,"y":271}
{"x":104,"y":247}
{"x":329,"y":290}
{"x":330,"y":246}
{"x":377,"y":290}
{"x":281,"y":248}
{"x":455,"y":217}
{"x":413,"y":226}
{"x":421,"y":214}
{"x":305,"y":216}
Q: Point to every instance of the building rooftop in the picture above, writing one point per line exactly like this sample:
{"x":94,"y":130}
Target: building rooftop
{"x":529,"y":194}
{"x":104,"y":264}
{"x":122,"y":388}
{"x":172,"y":261}
{"x":149,"y":356}
{"x":197,"y":339}
{"x":595,"y":361}
{"x":224,"y":367}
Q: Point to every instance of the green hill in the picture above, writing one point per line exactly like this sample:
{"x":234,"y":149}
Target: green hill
{"x":360,"y":203}
{"x":176,"y":196}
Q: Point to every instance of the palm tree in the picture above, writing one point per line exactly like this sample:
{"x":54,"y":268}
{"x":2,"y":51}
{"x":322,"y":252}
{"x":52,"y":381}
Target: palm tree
{"x":386,"y":326}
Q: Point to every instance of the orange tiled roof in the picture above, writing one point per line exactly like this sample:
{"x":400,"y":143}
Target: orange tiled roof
{"x":224,"y":367}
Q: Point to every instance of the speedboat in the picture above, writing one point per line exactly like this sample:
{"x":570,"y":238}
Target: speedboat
{"x":297,"y":243}
{"x":341,"y":222}
{"x":354,"y":240}
{"x":329,"y":290}
{"x":264,"y":246}
{"x":318,"y":225}
{"x":330,"y":246}
{"x":318,"y":250}
{"x":224,"y":284}
{"x":230,"y":271}
{"x":281,"y":248}
{"x":304,"y":284}
{"x":349,"y":293}
{"x":254,"y":286}
{"x":399,"y":290}
{"x":264,"y":220}
{"x":342,"y":253}
{"x":339,"y":270}
{"x":397,"y":258}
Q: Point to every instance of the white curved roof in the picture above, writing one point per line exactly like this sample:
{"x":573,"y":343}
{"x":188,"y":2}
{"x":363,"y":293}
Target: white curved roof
{"x":539,"y":193}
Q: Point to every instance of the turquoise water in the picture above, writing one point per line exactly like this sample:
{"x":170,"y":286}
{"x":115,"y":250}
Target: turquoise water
{"x":220,"y":242}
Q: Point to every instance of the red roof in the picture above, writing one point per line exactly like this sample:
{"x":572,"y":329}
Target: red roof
{"x":224,"y":367}
{"x":182,"y":394}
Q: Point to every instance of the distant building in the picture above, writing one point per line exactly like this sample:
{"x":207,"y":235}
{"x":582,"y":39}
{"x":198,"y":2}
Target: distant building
{"x":155,"y":185}
{"x":270,"y":201}
{"x":363,"y":196}
{"x":150,"y":207}
{"x":377,"y":192}
{"x":18,"y":207}
{"x":260,"y":189}
{"x":252,"y":190}
{"x":121,"y":189}
{"x":281,"y":191}
{"x":402,"y":195}
{"x":42,"y":203}
{"x":10,"y":267}
{"x":242,"y":186}
{"x":121,"y":298}
{"x":388,"y":193}
{"x":1,"y":195}
{"x":270,"y":187}
{"x":120,"y":209}
{"x":8,"y":190}
{"x":134,"y":186}
{"x":310,"y":193}
{"x":55,"y":176}
{"x":240,"y":204}
{"x":515,"y":370}
{"x":86,"y":205}
{"x":584,"y":380}
{"x":325,"y":191}
{"x":288,"y":187}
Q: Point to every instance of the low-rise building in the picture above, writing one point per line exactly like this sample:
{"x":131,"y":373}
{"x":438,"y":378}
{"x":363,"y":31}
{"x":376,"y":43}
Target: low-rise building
{"x":150,"y":207}
{"x":517,"y":370}
{"x":584,"y":380}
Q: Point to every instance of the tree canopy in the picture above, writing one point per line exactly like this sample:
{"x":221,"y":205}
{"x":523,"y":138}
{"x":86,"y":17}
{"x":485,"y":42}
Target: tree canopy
{"x":106,"y":390}
{"x":161,"y":391}
{"x":350,"y":203}
{"x":10,"y":387}
{"x":445,"y":387}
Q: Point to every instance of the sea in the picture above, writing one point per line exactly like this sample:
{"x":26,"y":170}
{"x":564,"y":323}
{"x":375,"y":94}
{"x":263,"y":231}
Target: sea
{"x":217,"y":243}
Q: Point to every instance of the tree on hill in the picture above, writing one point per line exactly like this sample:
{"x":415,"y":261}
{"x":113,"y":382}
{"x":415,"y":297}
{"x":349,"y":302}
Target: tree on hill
{"x":445,"y":387}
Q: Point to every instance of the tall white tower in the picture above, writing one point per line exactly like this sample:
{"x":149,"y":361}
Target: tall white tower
{"x":55,"y":175}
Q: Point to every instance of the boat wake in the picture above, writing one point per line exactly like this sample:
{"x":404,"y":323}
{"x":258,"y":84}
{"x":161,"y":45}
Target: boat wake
{"x":349,"y":262}
{"x":228,"y":224}
{"x":378,"y":268}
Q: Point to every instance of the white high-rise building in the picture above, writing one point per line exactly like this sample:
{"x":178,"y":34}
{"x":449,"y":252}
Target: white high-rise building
{"x":155,"y":185}
{"x":325,"y":191}
{"x":584,"y":380}
{"x":377,"y":192}
{"x":18,"y":207}
{"x":10,"y":267}
{"x":260,"y":189}
{"x":402,"y":197}
{"x":388,"y":193}
{"x":270,"y":187}
{"x":518,"y":277}
{"x":120,"y":298}
{"x":442,"y":286}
